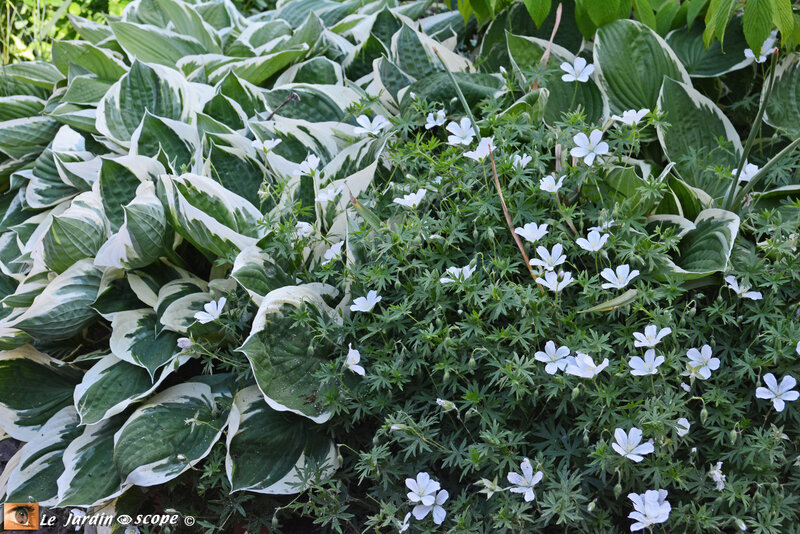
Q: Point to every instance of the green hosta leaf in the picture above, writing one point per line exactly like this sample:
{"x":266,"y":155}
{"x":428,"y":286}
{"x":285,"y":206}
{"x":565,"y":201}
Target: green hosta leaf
{"x":80,"y":118}
{"x":64,"y":308}
{"x":236,"y":171}
{"x":266,"y":448}
{"x":75,"y":234}
{"x":120,"y":178}
{"x":691,"y":200}
{"x":717,"y":59}
{"x":783,"y":106}
{"x":89,"y":30}
{"x":208,"y":215}
{"x":284,"y":357}
{"x":411,"y":55}
{"x":143,"y":237}
{"x":187,"y":21}
{"x":226,"y":110}
{"x":45,"y":187}
{"x":40,"y":464}
{"x":172,"y":432}
{"x":612,"y":304}
{"x":33,"y":387}
{"x":27,"y":135}
{"x":258,"y":69}
{"x":258,"y":274}
{"x":112,"y":385}
{"x":134,"y":340}
{"x":314,"y":105}
{"x":90,"y":477}
{"x":37,"y":73}
{"x":99,"y":61}
{"x":145,"y":88}
{"x":20,"y":106}
{"x":631,"y":61}
{"x":696,"y":125}
{"x":705,"y":245}
{"x":315,"y":70}
{"x":178,"y":141}
{"x":439,"y":88}
{"x":154,"y":45}
{"x":245,"y":94}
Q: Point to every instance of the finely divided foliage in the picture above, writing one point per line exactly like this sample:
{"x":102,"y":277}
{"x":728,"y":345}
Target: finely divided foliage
{"x":329,"y":248}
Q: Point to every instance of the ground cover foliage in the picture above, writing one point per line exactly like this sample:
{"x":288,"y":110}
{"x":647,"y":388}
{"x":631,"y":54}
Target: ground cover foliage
{"x":347,"y":266}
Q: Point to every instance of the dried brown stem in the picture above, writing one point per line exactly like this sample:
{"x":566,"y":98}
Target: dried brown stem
{"x":546,"y":55}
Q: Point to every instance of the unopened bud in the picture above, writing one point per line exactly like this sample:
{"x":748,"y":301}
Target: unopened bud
{"x":593,"y":504}
{"x":575,"y":392}
{"x":617,"y":490}
{"x":703,"y":415}
{"x":472,"y":363}
{"x":734,"y":435}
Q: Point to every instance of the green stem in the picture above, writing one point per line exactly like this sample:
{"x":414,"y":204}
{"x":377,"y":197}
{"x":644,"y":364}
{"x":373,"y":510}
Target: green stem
{"x":763,"y":172}
{"x":460,"y":95}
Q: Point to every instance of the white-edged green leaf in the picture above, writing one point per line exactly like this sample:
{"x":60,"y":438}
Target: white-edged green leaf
{"x":715,"y":61}
{"x":33,"y":387}
{"x":20,"y":106}
{"x":28,"y":135}
{"x":75,"y":234}
{"x":284,"y":357}
{"x":178,"y":141}
{"x":134,"y":340}
{"x":169,"y":434}
{"x":258,"y":69}
{"x":258,"y":274}
{"x":90,"y":477}
{"x":40,"y":463}
{"x":630,"y":61}
{"x":267,"y":449}
{"x":111,"y":385}
{"x":187,"y":21}
{"x":99,"y":61}
{"x":64,"y":308}
{"x":783,"y":106}
{"x":120,"y":178}
{"x":692,"y":139}
{"x":151,"y":44}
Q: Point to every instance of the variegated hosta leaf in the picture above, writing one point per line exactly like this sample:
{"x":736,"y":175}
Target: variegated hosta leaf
{"x":90,"y":477}
{"x":284,"y":357}
{"x":169,"y":434}
{"x":112,"y":385}
{"x":153,"y":44}
{"x":103,"y":63}
{"x":147,"y":283}
{"x":236,"y":171}
{"x":209,"y":216}
{"x":28,"y":135}
{"x":715,"y":61}
{"x":33,"y":387}
{"x":178,"y":301}
{"x":45,"y":187}
{"x":691,"y":139}
{"x":179,"y":141}
{"x":145,"y":88}
{"x":143,"y":237}
{"x":705,"y":245}
{"x":119,"y":180}
{"x":64,"y":308}
{"x":267,"y":449}
{"x":783,"y":105}
{"x":40,"y":463}
{"x":134,"y":339}
{"x":75,"y":234}
{"x":258,"y":274}
{"x":631,"y":60}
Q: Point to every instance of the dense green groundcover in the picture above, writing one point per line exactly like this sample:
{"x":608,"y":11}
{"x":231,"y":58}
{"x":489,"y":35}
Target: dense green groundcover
{"x":364,"y":267}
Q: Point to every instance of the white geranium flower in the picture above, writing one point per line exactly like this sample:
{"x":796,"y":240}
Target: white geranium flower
{"x":701,"y":363}
{"x":631,"y":117}
{"x":748,"y":171}
{"x":555,"y":282}
{"x":648,"y":365}
{"x":435,"y":120}
{"x":716,"y":475}
{"x":303,"y":229}
{"x":549,"y":184}
{"x":422,"y":489}
{"x":590,"y":147}
{"x":308,"y":166}
{"x":457,"y":274}
{"x":619,"y":279}
{"x":462,"y":132}
{"x":651,"y":337}
{"x":184,"y":343}
{"x":650,"y":508}
{"x":578,"y":71}
{"x":766,"y":48}
{"x":265,"y":146}
{"x":522,"y":161}
{"x":333,"y":253}
{"x":555,"y":358}
{"x":593,"y":242}
{"x":404,"y":526}
{"x":212,"y":311}
{"x":744,"y":291}
{"x":525,"y":482}
{"x":439,"y":513}
{"x":365,"y":304}
{"x":683,"y":426}
{"x":779,"y":394}
{"x":446,"y":404}
{"x":485,"y":146}
{"x":330,"y":193}
{"x":602,"y":227}
{"x":353,"y":359}
{"x":583,"y":366}
{"x":374,"y":127}
{"x":412,"y":200}
{"x":532,"y":232}
{"x":797,"y":348}
{"x":629,"y":445}
{"x":549,"y":259}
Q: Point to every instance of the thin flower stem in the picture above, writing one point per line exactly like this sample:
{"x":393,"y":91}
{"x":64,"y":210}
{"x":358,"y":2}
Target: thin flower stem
{"x":564,"y":214}
{"x":509,"y":222}
{"x":546,"y":55}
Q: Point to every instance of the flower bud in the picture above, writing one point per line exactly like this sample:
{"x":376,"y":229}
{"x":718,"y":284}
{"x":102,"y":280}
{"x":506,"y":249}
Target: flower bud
{"x":734,"y":435}
{"x":575,"y":392}
{"x":740,"y":524}
{"x":617,"y":490}
{"x":472,"y":363}
{"x":703,"y":415}
{"x":490,"y":232}
{"x":592,"y":505}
